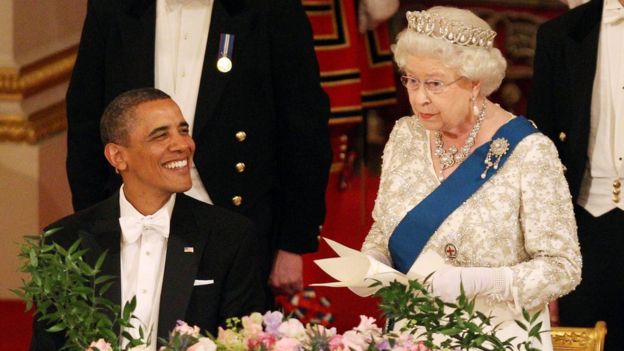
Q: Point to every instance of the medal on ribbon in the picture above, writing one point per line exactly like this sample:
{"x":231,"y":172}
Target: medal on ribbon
{"x":226,"y":47}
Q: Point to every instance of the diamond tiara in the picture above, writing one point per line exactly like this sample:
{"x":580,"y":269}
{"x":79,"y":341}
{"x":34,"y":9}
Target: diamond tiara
{"x":455,"y":32}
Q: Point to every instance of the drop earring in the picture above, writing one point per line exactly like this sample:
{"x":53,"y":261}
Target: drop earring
{"x":475,"y":108}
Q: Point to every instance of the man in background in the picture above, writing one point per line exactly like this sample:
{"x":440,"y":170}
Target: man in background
{"x":578,"y":101}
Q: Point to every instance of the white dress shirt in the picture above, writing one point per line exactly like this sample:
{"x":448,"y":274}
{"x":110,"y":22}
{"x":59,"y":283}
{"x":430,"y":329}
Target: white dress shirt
{"x":606,"y":138}
{"x":143,"y":255}
{"x":181,"y":34}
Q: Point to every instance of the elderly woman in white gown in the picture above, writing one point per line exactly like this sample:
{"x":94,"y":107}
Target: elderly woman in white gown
{"x":470,"y":181}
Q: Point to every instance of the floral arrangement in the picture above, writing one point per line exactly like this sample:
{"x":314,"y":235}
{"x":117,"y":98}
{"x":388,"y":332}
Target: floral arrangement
{"x":68,"y":295}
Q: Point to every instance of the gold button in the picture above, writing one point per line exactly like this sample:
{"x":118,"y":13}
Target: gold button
{"x":237,"y":200}
{"x":562,"y":136}
{"x":616,"y":191}
{"x":616,"y":198}
{"x":565,"y":169}
{"x":241,"y":136}
{"x":616,"y":183}
{"x":240,"y":167}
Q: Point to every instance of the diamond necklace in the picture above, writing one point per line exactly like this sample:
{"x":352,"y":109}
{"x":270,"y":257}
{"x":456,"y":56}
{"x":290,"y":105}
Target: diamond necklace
{"x":453,"y":156}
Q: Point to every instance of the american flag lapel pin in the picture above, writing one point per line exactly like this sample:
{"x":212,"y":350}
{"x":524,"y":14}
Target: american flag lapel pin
{"x":188,"y":249}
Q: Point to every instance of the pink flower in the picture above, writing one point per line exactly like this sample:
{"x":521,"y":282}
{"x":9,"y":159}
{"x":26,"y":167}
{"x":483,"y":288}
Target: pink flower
{"x":287,"y":344}
{"x":100,"y":345}
{"x":204,"y":344}
{"x":420,"y":347}
{"x":263,"y":340}
{"x":291,"y":328}
{"x":335,"y":342}
{"x":184,"y":329}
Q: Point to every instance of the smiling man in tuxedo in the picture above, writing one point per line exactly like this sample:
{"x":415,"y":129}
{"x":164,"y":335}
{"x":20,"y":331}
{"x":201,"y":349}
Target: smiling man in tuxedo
{"x":181,"y":258}
{"x":245,"y":75}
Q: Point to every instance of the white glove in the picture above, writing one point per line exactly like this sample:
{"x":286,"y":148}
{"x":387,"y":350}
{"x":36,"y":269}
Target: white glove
{"x":476,"y":280}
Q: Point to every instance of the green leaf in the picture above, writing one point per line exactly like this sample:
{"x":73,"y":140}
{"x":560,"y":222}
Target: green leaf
{"x":526,"y":315}
{"x":56,"y":328}
{"x":521,"y":325}
{"x":100,"y":261}
{"x":535,"y":331}
{"x":103,"y":279}
{"x":535,"y":316}
{"x":450,"y":331}
{"x":34,"y":261}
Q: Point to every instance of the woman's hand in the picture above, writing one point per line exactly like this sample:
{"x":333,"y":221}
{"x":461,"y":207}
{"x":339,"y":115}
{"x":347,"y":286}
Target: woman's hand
{"x":476,"y":281}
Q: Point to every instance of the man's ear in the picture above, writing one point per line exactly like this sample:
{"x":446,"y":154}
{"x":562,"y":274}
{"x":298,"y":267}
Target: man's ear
{"x":116,"y":156}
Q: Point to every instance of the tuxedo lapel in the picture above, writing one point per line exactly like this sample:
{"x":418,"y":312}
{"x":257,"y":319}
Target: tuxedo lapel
{"x":105,"y":236}
{"x":138,"y":33}
{"x":226,"y":19}
{"x":582,"y":53}
{"x":184,"y":250}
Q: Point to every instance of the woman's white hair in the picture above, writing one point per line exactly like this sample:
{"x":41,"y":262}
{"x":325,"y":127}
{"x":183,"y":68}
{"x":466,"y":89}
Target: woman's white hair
{"x":475,"y":63}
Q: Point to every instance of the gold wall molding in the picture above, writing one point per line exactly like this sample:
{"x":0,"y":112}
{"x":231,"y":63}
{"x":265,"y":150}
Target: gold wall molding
{"x":20,"y":83}
{"x":39,"y":125}
{"x":17,"y":84}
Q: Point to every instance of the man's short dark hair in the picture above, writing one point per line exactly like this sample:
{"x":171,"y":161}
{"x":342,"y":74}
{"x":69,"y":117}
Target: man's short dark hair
{"x":117,"y":117}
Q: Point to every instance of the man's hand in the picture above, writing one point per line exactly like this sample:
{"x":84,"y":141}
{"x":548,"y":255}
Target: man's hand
{"x":287,"y":273}
{"x":553,"y":308}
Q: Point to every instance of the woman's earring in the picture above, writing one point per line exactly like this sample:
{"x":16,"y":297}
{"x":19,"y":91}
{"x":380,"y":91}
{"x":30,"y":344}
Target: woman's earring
{"x":475,"y":108}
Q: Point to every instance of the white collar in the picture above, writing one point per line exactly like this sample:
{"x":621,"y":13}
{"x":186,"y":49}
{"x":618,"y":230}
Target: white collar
{"x":126,"y":209}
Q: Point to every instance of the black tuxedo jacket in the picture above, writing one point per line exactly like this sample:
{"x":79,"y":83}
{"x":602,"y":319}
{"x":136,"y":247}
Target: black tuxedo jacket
{"x":564,"y":70}
{"x":272,"y":94}
{"x":223,"y":250}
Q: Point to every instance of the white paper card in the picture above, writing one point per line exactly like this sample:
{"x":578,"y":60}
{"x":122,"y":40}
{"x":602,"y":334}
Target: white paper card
{"x":357,"y":271}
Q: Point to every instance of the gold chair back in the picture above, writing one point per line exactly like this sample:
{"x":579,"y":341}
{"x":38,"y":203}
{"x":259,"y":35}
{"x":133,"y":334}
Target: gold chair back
{"x":579,"y":339}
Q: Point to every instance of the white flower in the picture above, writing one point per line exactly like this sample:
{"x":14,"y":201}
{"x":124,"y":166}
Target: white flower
{"x":287,"y":344}
{"x":204,"y":344}
{"x":353,"y":340}
{"x":184,"y":329}
{"x":292,"y":328}
{"x":368,"y":326}
{"x":101,"y":345}
{"x":252,"y":325}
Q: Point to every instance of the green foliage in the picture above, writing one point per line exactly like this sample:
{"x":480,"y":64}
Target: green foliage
{"x":68,"y":294}
{"x":466,"y":328}
{"x":318,"y":339}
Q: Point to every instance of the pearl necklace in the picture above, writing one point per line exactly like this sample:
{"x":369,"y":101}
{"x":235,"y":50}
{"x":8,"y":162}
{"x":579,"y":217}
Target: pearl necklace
{"x":453,"y":156}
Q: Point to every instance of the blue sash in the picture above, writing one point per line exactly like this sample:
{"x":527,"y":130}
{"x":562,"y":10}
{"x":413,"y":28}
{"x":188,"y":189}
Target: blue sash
{"x":419,"y":224}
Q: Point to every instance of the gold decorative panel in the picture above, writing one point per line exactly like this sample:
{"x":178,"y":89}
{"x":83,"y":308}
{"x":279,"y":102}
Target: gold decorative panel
{"x":19,"y":84}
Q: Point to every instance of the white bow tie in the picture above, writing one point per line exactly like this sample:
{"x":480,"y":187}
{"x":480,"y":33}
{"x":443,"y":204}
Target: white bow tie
{"x":613,"y":16}
{"x":133,"y":227}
